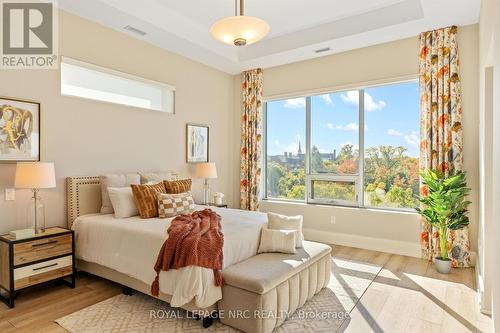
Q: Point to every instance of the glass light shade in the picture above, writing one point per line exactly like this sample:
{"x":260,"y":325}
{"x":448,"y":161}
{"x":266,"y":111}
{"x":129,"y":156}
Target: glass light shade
{"x":236,"y":29}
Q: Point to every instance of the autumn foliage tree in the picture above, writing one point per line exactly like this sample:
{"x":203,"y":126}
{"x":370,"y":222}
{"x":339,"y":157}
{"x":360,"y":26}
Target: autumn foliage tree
{"x":391,"y":176}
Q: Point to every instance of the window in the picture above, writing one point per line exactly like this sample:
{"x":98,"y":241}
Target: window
{"x":392,"y":144}
{"x":285,"y":167}
{"x":84,"y":80}
{"x":358,"y":148}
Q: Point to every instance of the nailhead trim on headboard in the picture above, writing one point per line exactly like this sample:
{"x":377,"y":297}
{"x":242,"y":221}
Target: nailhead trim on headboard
{"x":73,"y":195}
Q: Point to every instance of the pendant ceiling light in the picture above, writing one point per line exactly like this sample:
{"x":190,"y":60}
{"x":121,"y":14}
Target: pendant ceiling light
{"x":239,"y":30}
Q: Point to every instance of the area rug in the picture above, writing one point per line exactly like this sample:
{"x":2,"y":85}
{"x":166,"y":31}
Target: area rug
{"x":325,"y":312}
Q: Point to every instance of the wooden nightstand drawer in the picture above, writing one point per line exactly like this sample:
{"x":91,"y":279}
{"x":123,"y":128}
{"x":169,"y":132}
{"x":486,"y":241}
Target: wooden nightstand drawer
{"x":40,"y":249}
{"x":44,"y":271}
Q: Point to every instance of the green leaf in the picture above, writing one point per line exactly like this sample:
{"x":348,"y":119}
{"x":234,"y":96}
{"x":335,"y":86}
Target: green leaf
{"x":445,"y":206}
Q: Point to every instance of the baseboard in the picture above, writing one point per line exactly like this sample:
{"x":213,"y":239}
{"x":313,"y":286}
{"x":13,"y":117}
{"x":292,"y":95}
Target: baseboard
{"x":483,"y":299}
{"x":370,"y":243}
{"x":364,"y":242}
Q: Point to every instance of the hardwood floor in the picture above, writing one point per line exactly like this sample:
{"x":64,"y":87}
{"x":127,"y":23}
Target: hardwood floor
{"x":407,"y":296}
{"x":36,"y":310}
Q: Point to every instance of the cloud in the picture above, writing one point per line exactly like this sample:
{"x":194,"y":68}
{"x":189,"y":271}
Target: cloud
{"x":327,"y":99}
{"x":372,"y":105}
{"x":352,"y":98}
{"x":412,"y":139}
{"x":295,"y":103}
{"x":280,"y":147}
{"x":352,"y":127}
{"x":393,"y":132}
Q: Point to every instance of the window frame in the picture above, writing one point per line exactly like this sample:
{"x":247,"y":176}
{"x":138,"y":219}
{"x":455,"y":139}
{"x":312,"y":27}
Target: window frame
{"x":310,"y":177}
{"x":166,"y":89}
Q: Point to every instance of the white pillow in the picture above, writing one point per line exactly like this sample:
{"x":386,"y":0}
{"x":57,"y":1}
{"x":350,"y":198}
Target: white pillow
{"x":157,"y":177}
{"x":277,"y":241}
{"x":283,"y":222}
{"x":115,"y":180}
{"x":123,"y":202}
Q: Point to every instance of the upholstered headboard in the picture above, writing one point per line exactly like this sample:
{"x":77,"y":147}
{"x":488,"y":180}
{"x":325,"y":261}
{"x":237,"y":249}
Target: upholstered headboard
{"x":83,"y":196}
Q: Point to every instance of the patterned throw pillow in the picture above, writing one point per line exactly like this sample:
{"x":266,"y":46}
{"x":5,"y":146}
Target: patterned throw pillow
{"x":170,"y":205}
{"x":146,"y":200}
{"x":177,"y":186}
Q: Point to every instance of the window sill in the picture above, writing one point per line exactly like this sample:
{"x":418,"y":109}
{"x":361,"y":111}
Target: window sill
{"x":371,"y":209}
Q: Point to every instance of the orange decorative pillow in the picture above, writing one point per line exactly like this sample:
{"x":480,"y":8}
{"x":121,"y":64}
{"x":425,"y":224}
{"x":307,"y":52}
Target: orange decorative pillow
{"x":145,"y":197}
{"x":177,"y":186}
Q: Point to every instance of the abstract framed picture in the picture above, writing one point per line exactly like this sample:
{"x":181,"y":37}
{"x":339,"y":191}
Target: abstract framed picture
{"x":19,"y":130}
{"x":197,"y":143}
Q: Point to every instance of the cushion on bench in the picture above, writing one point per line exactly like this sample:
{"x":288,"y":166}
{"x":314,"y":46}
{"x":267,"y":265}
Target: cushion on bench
{"x":261,"y":273}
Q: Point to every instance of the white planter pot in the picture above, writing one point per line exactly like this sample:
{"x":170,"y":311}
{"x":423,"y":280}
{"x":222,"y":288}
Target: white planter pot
{"x":443,"y":266}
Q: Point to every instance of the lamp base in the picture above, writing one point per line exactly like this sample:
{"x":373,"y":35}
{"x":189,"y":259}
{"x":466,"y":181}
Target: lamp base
{"x":206,"y":192}
{"x":36,"y":213}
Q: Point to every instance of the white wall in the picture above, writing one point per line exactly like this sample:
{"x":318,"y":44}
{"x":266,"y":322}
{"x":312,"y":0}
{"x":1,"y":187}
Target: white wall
{"x":375,"y":229}
{"x":85,"y":137}
{"x":489,"y":109}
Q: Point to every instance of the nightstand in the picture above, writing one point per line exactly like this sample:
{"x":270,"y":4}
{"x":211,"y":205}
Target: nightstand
{"x":218,"y":206}
{"x":46,"y":257}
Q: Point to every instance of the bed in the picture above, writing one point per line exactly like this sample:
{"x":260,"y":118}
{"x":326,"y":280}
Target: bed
{"x":125,"y":251}
{"x":128,"y":247}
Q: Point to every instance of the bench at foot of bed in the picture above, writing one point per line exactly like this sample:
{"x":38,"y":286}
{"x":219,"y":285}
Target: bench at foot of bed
{"x":259,"y":292}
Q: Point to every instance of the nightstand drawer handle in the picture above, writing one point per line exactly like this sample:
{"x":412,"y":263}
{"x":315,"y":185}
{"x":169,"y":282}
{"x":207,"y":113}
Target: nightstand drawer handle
{"x":39,"y":268}
{"x":44,"y":244}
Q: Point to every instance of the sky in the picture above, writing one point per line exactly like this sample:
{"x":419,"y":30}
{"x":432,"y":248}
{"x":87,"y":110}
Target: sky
{"x":392,"y":117}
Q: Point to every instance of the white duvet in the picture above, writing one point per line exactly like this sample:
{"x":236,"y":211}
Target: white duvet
{"x":131,"y":245}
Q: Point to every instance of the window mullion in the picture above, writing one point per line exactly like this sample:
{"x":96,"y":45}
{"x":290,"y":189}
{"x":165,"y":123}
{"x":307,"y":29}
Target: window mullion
{"x":308,"y":149}
{"x":264,"y":149}
{"x":361,"y":147}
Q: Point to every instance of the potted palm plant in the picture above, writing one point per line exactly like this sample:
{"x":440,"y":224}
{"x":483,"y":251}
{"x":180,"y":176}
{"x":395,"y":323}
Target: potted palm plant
{"x":444,"y":206}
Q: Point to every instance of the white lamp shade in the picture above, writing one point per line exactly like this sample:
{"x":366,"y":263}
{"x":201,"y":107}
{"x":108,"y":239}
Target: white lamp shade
{"x":251,"y":29}
{"x":206,"y":170}
{"x":35,"y":175}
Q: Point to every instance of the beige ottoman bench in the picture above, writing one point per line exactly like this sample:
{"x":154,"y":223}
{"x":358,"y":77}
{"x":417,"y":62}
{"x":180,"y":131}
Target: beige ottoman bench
{"x":259,"y":292}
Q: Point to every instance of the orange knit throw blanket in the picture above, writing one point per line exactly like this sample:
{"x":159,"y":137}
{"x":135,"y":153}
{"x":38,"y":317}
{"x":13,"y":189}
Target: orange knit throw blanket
{"x":194,"y":239}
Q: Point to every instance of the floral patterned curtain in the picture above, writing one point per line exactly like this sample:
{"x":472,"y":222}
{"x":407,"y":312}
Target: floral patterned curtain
{"x":251,"y":140}
{"x":441,"y":128}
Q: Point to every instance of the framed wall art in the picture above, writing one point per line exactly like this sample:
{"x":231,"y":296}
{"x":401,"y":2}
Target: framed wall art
{"x":197,"y":143}
{"x":19,"y":130}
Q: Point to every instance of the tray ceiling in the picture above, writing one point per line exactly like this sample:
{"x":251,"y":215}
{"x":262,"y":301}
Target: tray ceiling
{"x":298,"y":27}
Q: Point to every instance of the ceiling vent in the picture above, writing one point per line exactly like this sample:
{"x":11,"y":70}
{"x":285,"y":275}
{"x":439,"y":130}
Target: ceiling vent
{"x":322,"y":50}
{"x":135,"y":30}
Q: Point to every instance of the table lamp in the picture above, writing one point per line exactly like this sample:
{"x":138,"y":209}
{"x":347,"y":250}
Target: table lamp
{"x":35,"y":176}
{"x":206,"y":171}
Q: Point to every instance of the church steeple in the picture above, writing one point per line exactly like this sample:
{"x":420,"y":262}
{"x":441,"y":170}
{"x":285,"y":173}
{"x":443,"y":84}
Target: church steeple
{"x":299,"y":152}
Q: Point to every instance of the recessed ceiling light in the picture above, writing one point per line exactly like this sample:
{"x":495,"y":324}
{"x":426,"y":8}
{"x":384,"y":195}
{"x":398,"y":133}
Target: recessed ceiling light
{"x":134,"y":30}
{"x":239,"y":30}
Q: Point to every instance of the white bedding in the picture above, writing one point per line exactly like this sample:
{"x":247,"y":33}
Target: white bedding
{"x":131,"y":245}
